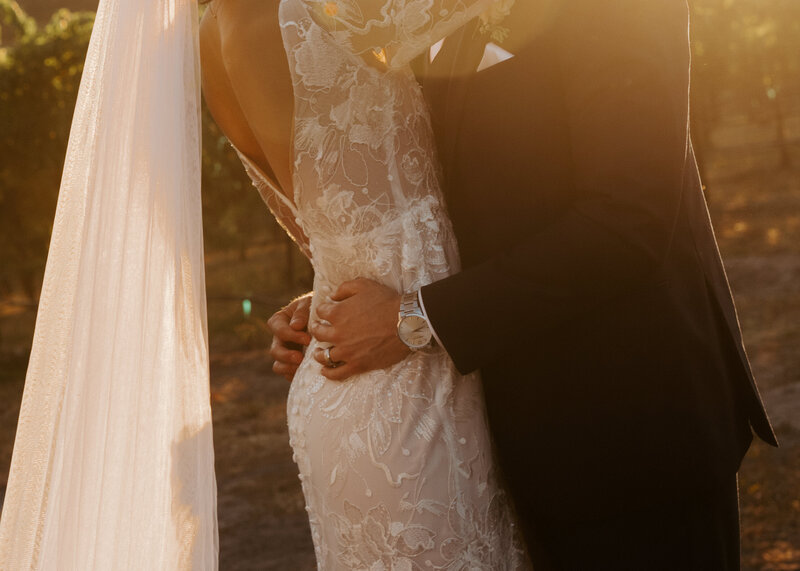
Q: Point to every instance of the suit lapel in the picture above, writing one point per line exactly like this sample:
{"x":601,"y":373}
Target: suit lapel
{"x":445,"y":85}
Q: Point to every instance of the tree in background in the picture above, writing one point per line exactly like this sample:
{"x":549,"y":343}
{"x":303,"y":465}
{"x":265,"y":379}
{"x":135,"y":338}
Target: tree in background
{"x":40,"y":70}
{"x":746,"y":56}
{"x":13,"y":18}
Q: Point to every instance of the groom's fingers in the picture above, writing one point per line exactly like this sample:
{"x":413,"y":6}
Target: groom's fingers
{"x":341,"y":373}
{"x":284,"y":354}
{"x":348,"y":289}
{"x":323,"y":332}
{"x":319,"y":355}
{"x":326,"y":311}
{"x":289,"y":323}
{"x":285,"y":333}
{"x":301,"y":315}
{"x":285,"y":370}
{"x":289,"y":336}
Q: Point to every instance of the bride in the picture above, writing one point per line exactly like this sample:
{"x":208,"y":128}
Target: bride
{"x":395,"y":465}
{"x":113,"y":464}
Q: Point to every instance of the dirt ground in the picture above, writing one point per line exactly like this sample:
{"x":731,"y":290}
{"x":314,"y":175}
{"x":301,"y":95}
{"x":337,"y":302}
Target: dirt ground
{"x":759,"y":234}
{"x":263,"y":524}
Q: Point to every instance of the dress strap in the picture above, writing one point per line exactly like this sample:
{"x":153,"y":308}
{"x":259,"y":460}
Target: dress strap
{"x":284,"y":210}
{"x":256,"y":172}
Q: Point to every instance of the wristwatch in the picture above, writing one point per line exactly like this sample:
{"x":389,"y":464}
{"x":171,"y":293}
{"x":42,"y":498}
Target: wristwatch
{"x":412,"y":327}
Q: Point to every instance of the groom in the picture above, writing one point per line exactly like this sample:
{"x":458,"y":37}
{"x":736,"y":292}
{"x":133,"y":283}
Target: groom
{"x":592,"y":297}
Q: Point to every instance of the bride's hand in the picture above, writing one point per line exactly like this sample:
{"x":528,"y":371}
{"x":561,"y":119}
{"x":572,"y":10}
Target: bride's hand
{"x":361,"y":329}
{"x":289,"y":336}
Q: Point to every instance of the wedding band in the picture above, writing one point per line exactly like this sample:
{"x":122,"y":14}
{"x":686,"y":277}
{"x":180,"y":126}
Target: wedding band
{"x":331,"y":363}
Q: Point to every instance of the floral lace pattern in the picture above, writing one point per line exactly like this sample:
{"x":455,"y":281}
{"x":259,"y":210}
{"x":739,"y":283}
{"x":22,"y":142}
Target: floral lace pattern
{"x":396,"y":30}
{"x":396,"y":465}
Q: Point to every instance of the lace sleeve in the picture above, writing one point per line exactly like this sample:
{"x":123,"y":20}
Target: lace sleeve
{"x":394,"y":31}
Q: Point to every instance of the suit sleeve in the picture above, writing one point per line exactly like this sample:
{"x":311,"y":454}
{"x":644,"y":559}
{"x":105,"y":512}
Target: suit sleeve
{"x":625,"y":69}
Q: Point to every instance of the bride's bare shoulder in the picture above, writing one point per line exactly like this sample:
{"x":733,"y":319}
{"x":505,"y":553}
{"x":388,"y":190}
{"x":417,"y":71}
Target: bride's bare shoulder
{"x":240,"y":27}
{"x":245,"y":37}
{"x":246,"y":81}
{"x":220,"y":86}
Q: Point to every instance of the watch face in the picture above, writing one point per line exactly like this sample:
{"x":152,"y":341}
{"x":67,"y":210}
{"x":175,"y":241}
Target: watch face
{"x":414,"y":331}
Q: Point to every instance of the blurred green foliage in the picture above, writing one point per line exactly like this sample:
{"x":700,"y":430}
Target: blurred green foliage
{"x":40,"y":71}
{"x":16,"y":20}
{"x":746,"y":70}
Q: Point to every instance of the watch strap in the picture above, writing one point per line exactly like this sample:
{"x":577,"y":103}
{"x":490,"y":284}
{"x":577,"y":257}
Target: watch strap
{"x":409,"y":305}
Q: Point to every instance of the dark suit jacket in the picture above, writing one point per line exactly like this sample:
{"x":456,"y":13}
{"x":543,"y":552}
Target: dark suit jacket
{"x":592,"y":298}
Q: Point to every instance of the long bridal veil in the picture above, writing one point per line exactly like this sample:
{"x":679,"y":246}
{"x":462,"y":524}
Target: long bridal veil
{"x":113,"y":464}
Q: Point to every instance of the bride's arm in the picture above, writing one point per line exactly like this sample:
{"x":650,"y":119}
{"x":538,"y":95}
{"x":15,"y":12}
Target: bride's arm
{"x":394,"y":32}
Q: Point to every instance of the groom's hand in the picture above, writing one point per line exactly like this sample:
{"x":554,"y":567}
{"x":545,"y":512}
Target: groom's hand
{"x":289,"y":328}
{"x":361,"y":329}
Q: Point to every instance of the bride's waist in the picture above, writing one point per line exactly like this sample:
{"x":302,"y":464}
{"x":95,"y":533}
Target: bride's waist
{"x":426,"y":364}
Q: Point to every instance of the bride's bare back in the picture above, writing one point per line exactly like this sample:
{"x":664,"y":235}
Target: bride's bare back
{"x":246,"y":81}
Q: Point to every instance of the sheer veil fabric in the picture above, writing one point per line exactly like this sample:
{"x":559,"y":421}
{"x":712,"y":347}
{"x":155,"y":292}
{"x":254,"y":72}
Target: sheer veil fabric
{"x":113,"y":464}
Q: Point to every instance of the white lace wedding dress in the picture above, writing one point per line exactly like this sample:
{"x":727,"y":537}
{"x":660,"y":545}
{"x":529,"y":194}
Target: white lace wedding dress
{"x":396,"y":465}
